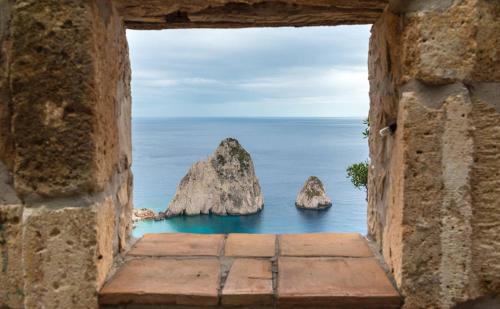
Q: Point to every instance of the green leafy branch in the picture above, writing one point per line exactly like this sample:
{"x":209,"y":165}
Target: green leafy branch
{"x":358,"y":172}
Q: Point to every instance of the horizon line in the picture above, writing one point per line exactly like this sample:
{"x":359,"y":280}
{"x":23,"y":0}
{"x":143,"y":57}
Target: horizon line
{"x":249,"y":117}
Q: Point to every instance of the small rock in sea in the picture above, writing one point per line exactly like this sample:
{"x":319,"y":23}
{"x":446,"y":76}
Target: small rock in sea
{"x":313,"y":195}
{"x":223,"y":184}
{"x":143,"y":214}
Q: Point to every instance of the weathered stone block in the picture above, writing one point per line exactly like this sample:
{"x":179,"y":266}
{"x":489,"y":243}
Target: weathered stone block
{"x":427,"y":237}
{"x":153,"y":14}
{"x":6,"y":142}
{"x":123,"y":214}
{"x":431,"y":183}
{"x":487,"y":38}
{"x":452,"y":230}
{"x":485,"y":186}
{"x":11,"y":268}
{"x":457,"y":43}
{"x":385,"y":174}
{"x":405,"y":6}
{"x":65,"y":131}
{"x":70,"y":93}
{"x":7,"y":192}
{"x":67,"y":254}
{"x":112,"y":128}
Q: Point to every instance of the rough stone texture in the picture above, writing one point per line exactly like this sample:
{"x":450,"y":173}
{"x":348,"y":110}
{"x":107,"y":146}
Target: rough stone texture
{"x":433,"y":241}
{"x":427,"y":234}
{"x":384,"y":218}
{"x":313,"y":195}
{"x":455,"y":43}
{"x":6,"y":141}
{"x":485,"y":189}
{"x":70,"y":91}
{"x":223,"y":184}
{"x":143,"y":214}
{"x":7,"y":193}
{"x":456,"y":209}
{"x":65,"y":182}
{"x":155,"y":14}
{"x":123,"y":213}
{"x":65,"y":139}
{"x":11,"y":208}
{"x":56,"y":246}
{"x":449,"y":235}
{"x":433,"y":184}
{"x":11,"y":268}
{"x":65,"y":262}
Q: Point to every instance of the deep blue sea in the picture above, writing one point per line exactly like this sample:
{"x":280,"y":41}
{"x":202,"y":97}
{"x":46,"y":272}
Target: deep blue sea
{"x":285,"y":151}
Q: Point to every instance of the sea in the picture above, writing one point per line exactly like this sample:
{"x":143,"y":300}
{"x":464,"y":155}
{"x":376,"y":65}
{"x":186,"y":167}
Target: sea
{"x":285,"y":152}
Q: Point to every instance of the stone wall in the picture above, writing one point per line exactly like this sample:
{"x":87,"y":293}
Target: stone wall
{"x":65,"y":180}
{"x":65,"y":150}
{"x":6,"y":142}
{"x":434,"y":184}
{"x":154,"y":14}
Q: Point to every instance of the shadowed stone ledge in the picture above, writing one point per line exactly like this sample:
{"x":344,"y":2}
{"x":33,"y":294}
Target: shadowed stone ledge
{"x":139,"y":14}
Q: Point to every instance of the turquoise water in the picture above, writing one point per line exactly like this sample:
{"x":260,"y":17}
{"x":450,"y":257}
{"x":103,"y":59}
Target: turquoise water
{"x":285,"y":152}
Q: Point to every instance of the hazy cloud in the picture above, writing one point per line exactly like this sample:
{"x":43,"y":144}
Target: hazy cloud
{"x":316,"y":71}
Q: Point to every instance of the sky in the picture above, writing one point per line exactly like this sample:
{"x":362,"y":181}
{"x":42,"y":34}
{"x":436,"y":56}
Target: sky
{"x":254,"y":72}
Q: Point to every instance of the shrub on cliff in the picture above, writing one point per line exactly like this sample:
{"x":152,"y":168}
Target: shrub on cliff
{"x":358,"y":172}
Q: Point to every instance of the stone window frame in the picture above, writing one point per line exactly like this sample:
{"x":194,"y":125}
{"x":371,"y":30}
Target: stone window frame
{"x":65,"y":137}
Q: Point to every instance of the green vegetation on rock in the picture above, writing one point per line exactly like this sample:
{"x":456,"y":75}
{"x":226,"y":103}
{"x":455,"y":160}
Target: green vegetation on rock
{"x":242,"y":155}
{"x":358,"y":172}
{"x":236,"y":151}
{"x":311,"y":190}
{"x":366,"y":132}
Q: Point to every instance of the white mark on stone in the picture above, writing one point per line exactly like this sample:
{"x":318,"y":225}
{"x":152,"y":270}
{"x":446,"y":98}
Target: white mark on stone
{"x":53,"y":114}
{"x":456,"y":210}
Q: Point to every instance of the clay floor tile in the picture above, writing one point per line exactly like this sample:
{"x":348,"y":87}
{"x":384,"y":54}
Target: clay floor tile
{"x":334,"y":282}
{"x":324,"y":244}
{"x":250,"y":282}
{"x":164,"y":281}
{"x":250,"y":245}
{"x":178,"y":244}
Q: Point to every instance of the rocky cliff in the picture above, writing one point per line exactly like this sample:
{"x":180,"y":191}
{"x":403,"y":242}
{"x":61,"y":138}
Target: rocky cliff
{"x":313,"y":195}
{"x":223,"y":184}
{"x":143,"y":214}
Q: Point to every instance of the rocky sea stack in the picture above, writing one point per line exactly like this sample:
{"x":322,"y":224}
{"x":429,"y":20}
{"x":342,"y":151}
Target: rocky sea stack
{"x":143,"y":214}
{"x":223,"y":184}
{"x":313,"y":195}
